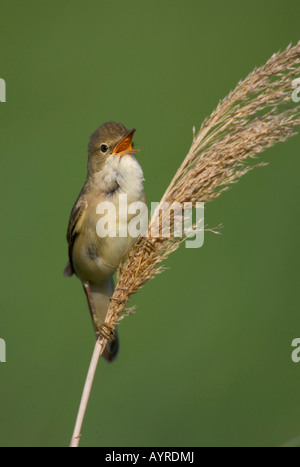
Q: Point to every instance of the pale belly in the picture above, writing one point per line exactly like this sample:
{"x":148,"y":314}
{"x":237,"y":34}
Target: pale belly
{"x":94,"y":258}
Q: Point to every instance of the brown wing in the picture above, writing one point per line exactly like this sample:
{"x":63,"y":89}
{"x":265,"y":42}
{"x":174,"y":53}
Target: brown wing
{"x":75,"y":223}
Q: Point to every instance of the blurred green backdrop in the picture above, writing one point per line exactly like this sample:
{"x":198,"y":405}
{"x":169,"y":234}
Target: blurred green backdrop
{"x":206,"y":360}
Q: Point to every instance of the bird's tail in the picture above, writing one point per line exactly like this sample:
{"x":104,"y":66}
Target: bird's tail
{"x":100,"y":295}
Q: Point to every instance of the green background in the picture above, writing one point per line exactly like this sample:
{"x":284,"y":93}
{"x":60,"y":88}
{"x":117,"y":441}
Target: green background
{"x":206,"y":359}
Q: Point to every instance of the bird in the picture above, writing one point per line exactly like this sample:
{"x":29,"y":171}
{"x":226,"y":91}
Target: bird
{"x":112,"y":170}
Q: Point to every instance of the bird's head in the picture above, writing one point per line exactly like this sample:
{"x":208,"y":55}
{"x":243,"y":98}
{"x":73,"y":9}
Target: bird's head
{"x":110,"y":140}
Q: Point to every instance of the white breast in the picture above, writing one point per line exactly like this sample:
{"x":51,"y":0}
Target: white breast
{"x":124,"y":171}
{"x":130,"y":177}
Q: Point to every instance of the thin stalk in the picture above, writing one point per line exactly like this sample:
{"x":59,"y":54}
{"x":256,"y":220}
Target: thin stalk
{"x":98,"y":350}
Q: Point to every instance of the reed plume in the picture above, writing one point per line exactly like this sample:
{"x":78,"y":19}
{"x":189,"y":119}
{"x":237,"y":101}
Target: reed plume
{"x":256,"y":115}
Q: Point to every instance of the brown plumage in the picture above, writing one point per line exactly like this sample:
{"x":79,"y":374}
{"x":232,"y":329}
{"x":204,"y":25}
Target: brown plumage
{"x":112,"y":170}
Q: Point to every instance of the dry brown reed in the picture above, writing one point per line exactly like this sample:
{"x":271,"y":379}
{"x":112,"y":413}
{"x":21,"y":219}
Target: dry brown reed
{"x":256,"y":115}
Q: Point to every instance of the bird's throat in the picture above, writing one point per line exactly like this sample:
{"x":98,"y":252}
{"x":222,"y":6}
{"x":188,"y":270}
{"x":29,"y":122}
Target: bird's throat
{"x":121,"y":175}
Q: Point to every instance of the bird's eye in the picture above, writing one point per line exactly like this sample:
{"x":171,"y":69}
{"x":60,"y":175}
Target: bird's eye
{"x":104,"y":148}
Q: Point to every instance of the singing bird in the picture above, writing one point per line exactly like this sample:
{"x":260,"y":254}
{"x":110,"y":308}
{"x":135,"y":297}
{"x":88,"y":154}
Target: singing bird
{"x":112,"y":170}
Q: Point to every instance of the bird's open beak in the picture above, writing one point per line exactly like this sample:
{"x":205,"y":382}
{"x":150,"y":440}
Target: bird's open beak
{"x":125,"y":145}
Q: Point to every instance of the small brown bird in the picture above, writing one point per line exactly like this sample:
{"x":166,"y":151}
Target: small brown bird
{"x":112,"y":170}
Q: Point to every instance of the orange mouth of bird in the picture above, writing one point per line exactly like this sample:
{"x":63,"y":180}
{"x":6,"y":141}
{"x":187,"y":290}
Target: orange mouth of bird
{"x":125,"y":145}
